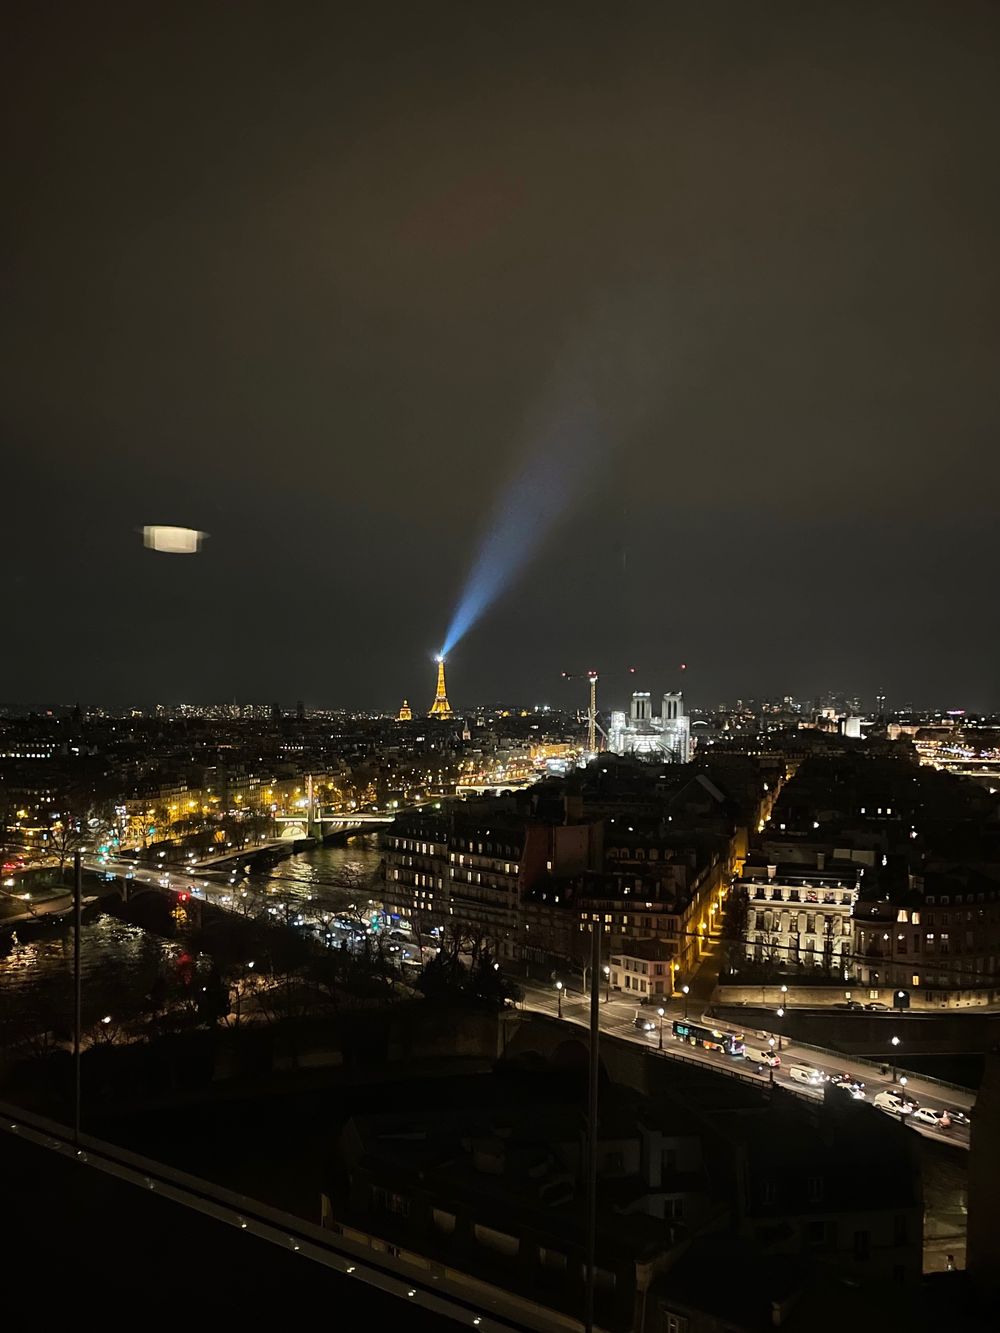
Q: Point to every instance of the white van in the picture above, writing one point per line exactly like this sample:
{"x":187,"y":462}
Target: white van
{"x":763,"y":1055}
{"x":807,"y":1074}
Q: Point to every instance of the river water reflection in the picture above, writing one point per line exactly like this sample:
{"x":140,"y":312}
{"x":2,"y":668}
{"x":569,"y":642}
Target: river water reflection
{"x":121,"y":961}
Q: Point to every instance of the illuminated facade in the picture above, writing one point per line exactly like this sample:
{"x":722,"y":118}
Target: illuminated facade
{"x":667,"y":736}
{"x":441,"y":707}
{"x":801,"y":919}
{"x":405,"y":713}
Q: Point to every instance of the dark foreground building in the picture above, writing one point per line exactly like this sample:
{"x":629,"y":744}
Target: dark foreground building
{"x":479,"y":1187}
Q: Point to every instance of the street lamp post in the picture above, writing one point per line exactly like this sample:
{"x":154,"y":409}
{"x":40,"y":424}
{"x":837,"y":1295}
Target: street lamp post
{"x":607,"y":983}
{"x":685,"y":991}
{"x":660,"y":1042}
{"x":781,"y":1014}
{"x":894,"y":1043}
{"x":770,"y":1067}
{"x":559,"y":991}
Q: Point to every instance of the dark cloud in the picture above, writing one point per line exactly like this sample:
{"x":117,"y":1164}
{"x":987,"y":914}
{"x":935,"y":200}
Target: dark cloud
{"x":299,"y":277}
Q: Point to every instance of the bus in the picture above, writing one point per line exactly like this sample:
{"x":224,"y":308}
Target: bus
{"x":729,"y":1043}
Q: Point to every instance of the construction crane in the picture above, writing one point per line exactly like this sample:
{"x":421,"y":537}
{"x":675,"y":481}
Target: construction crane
{"x":593,"y":727}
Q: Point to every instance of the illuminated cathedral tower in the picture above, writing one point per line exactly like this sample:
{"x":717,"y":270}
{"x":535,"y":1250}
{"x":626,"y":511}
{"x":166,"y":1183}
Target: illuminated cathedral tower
{"x":440,"y":707}
{"x":405,"y":713}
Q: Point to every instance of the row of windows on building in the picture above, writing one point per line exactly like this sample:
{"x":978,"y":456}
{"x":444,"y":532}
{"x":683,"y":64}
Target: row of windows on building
{"x":944,"y":899}
{"x":829,"y":897}
{"x":664,"y":925}
{"x":420,"y":879}
{"x":637,"y":854}
{"x":930,"y":942}
{"x":510,"y":868}
{"x":491,"y":849}
{"x":414,"y":845}
{"x":815,"y":922}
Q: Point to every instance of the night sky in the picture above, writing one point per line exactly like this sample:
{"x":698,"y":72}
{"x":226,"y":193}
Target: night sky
{"x":321,"y":279}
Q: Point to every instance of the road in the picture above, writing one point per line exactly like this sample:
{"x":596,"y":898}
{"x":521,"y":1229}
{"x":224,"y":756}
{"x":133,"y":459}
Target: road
{"x":617,"y":1013}
{"x":618,"y":1020}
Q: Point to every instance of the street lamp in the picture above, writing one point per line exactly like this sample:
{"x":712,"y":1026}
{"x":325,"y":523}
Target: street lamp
{"x":660,"y":1043}
{"x":559,"y":991}
{"x":685,"y":991}
{"x":894,"y":1043}
{"x":781,"y":1014}
{"x":770,"y":1067}
{"x":607,"y":983}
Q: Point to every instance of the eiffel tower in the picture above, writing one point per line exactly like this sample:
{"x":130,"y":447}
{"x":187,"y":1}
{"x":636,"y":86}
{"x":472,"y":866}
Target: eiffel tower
{"x":440,"y":707}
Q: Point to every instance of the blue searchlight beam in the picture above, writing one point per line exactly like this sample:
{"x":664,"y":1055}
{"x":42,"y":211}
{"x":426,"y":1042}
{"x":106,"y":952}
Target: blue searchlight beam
{"x":551,"y":479}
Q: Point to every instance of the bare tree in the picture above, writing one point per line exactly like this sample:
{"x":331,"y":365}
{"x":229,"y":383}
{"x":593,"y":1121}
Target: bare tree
{"x":66,"y":836}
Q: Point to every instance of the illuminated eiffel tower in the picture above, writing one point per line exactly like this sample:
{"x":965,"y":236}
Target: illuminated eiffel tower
{"x":441,"y":707}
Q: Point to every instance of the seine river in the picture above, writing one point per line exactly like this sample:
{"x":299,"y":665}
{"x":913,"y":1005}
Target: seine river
{"x":120,"y":961}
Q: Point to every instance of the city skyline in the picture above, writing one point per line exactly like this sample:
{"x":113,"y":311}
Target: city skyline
{"x":499,"y":710}
{"x":747,"y":358}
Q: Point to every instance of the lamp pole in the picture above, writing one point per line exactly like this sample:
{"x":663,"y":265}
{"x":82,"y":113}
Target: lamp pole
{"x":77,"y":990}
{"x":781,"y":1014}
{"x":770,"y":1067}
{"x":685,"y":991}
{"x":660,"y":1043}
{"x":894,"y":1043}
{"x":559,"y":991}
{"x":607,"y":983}
{"x":592,"y":1128}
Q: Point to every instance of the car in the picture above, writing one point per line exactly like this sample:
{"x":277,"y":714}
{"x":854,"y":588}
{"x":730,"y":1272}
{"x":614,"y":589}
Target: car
{"x":849,"y":1084}
{"x":807,"y":1074}
{"x":929,"y":1115}
{"x":853,"y":1006}
{"x":959,"y":1117}
{"x":877,"y":1007}
{"x":894,"y":1103}
{"x":643,"y":1024}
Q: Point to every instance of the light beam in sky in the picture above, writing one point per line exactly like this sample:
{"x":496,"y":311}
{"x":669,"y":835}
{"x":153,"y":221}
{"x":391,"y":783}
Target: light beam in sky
{"x":555,"y":472}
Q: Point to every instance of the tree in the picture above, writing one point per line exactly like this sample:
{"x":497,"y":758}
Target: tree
{"x":487,"y":984}
{"x":213,"y":1000}
{"x":66,"y":836}
{"x":447,"y":979}
{"x":109,"y":825}
{"x":258,"y":823}
{"x":442,"y":978}
{"x":736,"y":919}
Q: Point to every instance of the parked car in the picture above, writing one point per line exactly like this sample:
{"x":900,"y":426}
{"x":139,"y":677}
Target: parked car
{"x":854,"y":1006}
{"x":959,"y":1117}
{"x":894,"y":1103}
{"x":928,"y":1115}
{"x":849,"y":1084}
{"x":877,"y":1007}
